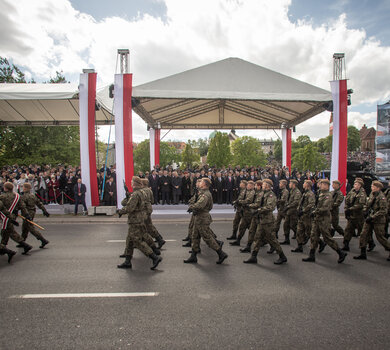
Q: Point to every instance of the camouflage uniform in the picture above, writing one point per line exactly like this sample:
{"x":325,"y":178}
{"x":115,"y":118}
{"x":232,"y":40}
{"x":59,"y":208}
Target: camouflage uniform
{"x":202,"y":221}
{"x":238,"y":215}
{"x":387,"y":194}
{"x":306,"y":206}
{"x":3,"y":248}
{"x":254,"y":221}
{"x":354,"y":204}
{"x":280,"y":204}
{"x":31,"y":201}
{"x":291,"y":220}
{"x":338,"y":198}
{"x":246,"y":214}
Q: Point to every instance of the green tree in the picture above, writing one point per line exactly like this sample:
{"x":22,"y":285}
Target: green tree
{"x":354,"y":141}
{"x":168,"y":156}
{"x":324,"y":144}
{"x":302,"y":141}
{"x":203,"y":147}
{"x":278,"y":151}
{"x":308,"y":158}
{"x":9,"y":73}
{"x":247,"y":150}
{"x":219,"y":151}
{"x":190,"y":154}
{"x":58,"y":79}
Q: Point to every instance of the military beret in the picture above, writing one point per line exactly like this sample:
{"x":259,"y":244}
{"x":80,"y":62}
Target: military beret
{"x":137,"y":182}
{"x":359,"y":180}
{"x":377,"y":184}
{"x":294,"y":181}
{"x":269,"y":182}
{"x":309,"y":182}
{"x":325,"y":181}
{"x":250,"y":182}
{"x":27,"y":185}
{"x":207,"y":181}
{"x":145,"y":182}
{"x":259,"y":182}
{"x":9,"y":186}
{"x":244,"y":181}
{"x":283,"y":181}
{"x":336,"y":182}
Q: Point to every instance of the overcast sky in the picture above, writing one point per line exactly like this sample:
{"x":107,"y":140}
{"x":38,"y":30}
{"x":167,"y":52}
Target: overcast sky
{"x":293,"y":37}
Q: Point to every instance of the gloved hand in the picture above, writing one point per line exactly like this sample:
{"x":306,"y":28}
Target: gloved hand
{"x":28,"y":217}
{"x":46,"y":213}
{"x":119,"y":212}
{"x":14,"y":222}
{"x":189,"y":210}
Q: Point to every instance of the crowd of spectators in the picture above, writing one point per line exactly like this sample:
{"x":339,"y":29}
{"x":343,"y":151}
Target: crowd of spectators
{"x":367,"y":159}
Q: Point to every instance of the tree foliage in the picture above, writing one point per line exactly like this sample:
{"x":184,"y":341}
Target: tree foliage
{"x":58,"y":79}
{"x":354,"y":141}
{"x":219,"y":153}
{"x":190,"y":154}
{"x":278,"y":151}
{"x":324,"y":145}
{"x":247,"y":150}
{"x":9,"y":73}
{"x":308,"y":158}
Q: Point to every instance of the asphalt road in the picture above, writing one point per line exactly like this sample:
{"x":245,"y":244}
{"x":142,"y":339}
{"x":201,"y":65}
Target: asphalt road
{"x":206,"y":306}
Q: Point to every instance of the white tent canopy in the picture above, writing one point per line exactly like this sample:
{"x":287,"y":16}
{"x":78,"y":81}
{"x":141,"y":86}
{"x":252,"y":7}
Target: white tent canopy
{"x":45,"y":104}
{"x":228,"y":94}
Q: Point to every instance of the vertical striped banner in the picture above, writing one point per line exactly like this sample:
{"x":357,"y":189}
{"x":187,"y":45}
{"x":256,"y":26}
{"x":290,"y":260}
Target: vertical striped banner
{"x":340,"y":132}
{"x":152,"y":133}
{"x":286,"y":148}
{"x":123,"y":134}
{"x":87,"y":98}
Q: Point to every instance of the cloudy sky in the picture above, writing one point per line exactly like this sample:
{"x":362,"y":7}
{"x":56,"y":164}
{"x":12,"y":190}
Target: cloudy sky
{"x":293,"y":37}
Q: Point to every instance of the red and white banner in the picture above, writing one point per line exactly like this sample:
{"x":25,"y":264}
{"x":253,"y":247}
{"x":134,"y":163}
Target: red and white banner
{"x":123,"y":134}
{"x":154,"y":136}
{"x":10,"y":209}
{"x":340,"y":132}
{"x":286,"y":148}
{"x":87,"y":98}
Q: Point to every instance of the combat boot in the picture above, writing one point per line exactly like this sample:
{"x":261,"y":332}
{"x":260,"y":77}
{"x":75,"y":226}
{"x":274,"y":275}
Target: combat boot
{"x":26,"y":247}
{"x":322,"y":246}
{"x":346,"y":246}
{"x":282,"y":259}
{"x":122,"y":256}
{"x":155,"y":260}
{"x":388,"y":259}
{"x":222,"y":256}
{"x":9,"y":252}
{"x":286,"y":241}
{"x":362,"y":256}
{"x":271,"y":250}
{"x":160,"y":241}
{"x":247,"y":249}
{"x":294,"y":236}
{"x":220,"y":243}
{"x":311,"y":257}
{"x":235,"y":243}
{"x":306,"y":240}
{"x":156,"y":250}
{"x":342,"y":256}
{"x":200,"y":251}
{"x":298,"y":249}
{"x":44,"y":242}
{"x":192,"y":259}
{"x":186,"y":239}
{"x":232,"y":237}
{"x":188,"y":244}
{"x":332,"y":232}
{"x":126,"y":265}
{"x":371,"y":246}
{"x":252,"y":259}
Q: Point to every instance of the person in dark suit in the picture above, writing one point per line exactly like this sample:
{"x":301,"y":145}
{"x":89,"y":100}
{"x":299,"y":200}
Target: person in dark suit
{"x":186,"y":187}
{"x":275,"y":179}
{"x":154,"y":185}
{"x":219,"y":187}
{"x":165,"y":185}
{"x":176,"y":187}
{"x":79,"y":196}
{"x":229,"y":186}
{"x":110,"y":192}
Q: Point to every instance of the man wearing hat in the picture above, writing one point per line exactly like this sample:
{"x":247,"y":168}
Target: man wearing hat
{"x":265,"y":205}
{"x":354,"y":203}
{"x":280,"y":205}
{"x":237,"y":206}
{"x":202,"y":220}
{"x":338,"y":198}
{"x":305,"y":208}
{"x":375,"y":220}
{"x":291,"y":209}
{"x":246,"y":212}
{"x":322,"y":222}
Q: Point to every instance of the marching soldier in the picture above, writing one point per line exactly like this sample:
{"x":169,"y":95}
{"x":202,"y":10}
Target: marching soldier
{"x":246,"y":212}
{"x":354,"y":204}
{"x":291,"y":209}
{"x":266,"y":204}
{"x":322,"y":223}
{"x":202,"y":223}
{"x":280,"y":205}
{"x":338,"y":198}
{"x":375,"y":220}
{"x":12,"y":202}
{"x":191,"y":201}
{"x":136,"y":216}
{"x":149,"y":199}
{"x":237,"y":206}
{"x":305,"y":209}
{"x":5,"y":214}
{"x":31,"y":201}
{"x":387,"y":194}
{"x":254,"y":220}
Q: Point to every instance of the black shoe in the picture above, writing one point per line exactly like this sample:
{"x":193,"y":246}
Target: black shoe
{"x":332,"y":232}
{"x":342,"y":256}
{"x":192,"y":259}
{"x":222,"y":256}
{"x":371,"y":246}
{"x":220,"y":243}
{"x":247,"y":249}
{"x":156,"y":250}
{"x":282,"y":259}
{"x":322,"y":246}
{"x":298,"y":249}
{"x":188,"y":244}
{"x":311,"y":257}
{"x":251,"y":260}
{"x":186,"y":239}
{"x":285,"y":242}
{"x":235,"y":243}
{"x":19,"y":246}
{"x":123,"y":256}
{"x":10,"y":254}
{"x":126,"y":265}
{"x":161,"y":242}
{"x":26,"y":248}
{"x":345,"y":247}
{"x":232,"y":237}
{"x":155,"y":260}
{"x":271,"y":251}
{"x":306,"y":240}
{"x":362,"y":256}
{"x":44,"y":242}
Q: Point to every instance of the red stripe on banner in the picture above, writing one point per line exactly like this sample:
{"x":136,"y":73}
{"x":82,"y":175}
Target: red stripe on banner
{"x":157,"y":146}
{"x":288,"y":150}
{"x":91,"y":138}
{"x":127,"y":129}
{"x":343,"y":133}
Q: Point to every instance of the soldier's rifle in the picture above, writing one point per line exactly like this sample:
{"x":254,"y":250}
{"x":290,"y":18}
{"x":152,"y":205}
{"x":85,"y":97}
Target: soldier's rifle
{"x":31,"y":222}
{"x":348,"y":210}
{"x":369,"y":211}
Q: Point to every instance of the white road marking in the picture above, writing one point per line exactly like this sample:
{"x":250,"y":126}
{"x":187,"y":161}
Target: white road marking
{"x":123,"y":240}
{"x":84,"y":295}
